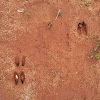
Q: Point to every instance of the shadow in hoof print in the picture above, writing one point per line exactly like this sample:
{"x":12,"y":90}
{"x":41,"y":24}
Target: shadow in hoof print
{"x":16,"y":77}
{"x":23,"y":60}
{"x":22,"y":77}
{"x":17,"y":61}
{"x":82,"y":28}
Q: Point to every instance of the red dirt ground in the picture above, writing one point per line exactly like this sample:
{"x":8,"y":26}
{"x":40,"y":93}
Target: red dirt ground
{"x":56,"y":66}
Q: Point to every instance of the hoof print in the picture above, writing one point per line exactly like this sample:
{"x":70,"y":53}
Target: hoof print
{"x":79,"y":28}
{"x":82,"y":28}
{"x":79,"y":25}
{"x":22,"y":77}
{"x":23,"y":60}
{"x":17,"y":61}
{"x":16,"y":77}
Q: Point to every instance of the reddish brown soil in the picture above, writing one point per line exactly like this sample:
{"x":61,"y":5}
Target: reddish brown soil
{"x":55,"y":62}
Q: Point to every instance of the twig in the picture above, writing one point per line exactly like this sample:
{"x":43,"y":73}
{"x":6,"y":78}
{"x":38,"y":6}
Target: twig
{"x":58,"y":14}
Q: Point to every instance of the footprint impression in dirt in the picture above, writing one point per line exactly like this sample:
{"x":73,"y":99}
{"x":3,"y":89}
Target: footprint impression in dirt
{"x":22,"y":77}
{"x":82,"y":28}
{"x":16,"y":77}
{"x":19,"y":76}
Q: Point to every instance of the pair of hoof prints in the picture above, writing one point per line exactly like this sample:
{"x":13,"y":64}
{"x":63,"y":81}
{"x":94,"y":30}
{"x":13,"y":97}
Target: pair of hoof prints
{"x":22,"y":75}
{"x":82,"y":28}
{"x":17,"y":61}
{"x":16,"y":77}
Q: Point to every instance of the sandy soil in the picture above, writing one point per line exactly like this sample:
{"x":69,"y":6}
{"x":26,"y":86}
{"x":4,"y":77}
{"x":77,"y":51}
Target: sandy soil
{"x":54,"y":61}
